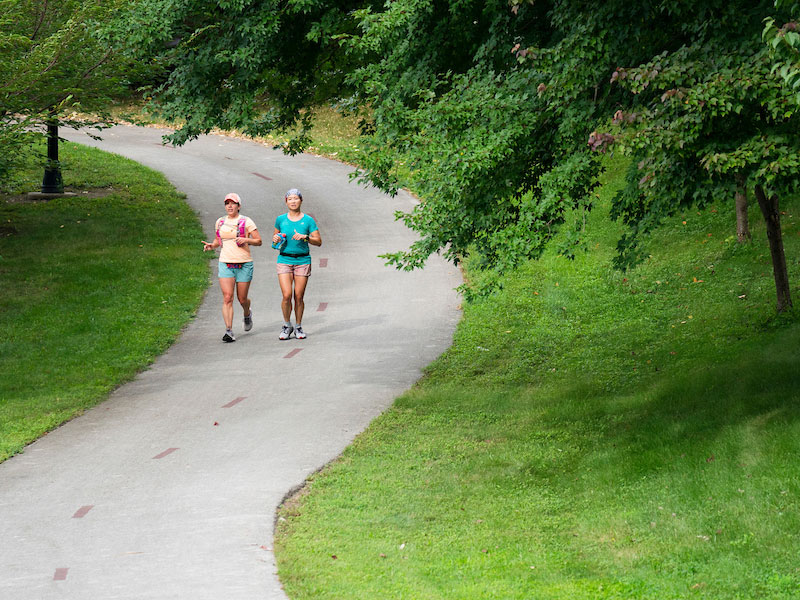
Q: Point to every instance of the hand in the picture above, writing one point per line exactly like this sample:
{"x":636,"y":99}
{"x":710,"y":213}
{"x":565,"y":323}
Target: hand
{"x":208,"y":246}
{"x":240,"y":241}
{"x":276,"y":238}
{"x":300,"y":237}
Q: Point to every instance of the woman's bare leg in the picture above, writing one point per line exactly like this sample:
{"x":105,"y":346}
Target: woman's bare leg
{"x":226,"y":285}
{"x":242,"y":288}
{"x":286,"y":280}
{"x":299,"y":293}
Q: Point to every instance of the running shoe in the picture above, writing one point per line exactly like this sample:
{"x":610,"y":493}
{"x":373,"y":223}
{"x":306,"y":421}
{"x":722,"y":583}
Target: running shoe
{"x":248,"y":321}
{"x":228,"y":337}
{"x":299,"y":333}
{"x":286,"y":332}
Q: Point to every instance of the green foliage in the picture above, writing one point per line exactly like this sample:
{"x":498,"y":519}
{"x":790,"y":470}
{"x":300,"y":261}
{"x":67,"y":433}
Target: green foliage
{"x":476,"y":129}
{"x":56,"y":58}
{"x":248,"y":65}
{"x":702,"y":119}
{"x":784,"y":44}
{"x":498,"y":149}
{"x":485,"y":108}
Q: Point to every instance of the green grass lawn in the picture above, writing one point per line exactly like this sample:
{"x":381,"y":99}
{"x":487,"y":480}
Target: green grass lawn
{"x":92,"y":288}
{"x":590,"y":435}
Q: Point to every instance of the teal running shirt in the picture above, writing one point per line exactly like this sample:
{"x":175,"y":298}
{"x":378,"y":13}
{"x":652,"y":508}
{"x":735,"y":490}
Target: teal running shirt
{"x":305,"y":226}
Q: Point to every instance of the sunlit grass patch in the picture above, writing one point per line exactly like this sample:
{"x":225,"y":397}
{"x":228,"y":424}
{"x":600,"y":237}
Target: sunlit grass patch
{"x":591,"y":434}
{"x":93,"y":288}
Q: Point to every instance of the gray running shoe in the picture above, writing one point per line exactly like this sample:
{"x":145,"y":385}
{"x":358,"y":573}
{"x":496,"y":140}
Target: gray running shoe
{"x":248,"y":321}
{"x":228,"y":337}
{"x":286,"y":332}
{"x":299,"y":333}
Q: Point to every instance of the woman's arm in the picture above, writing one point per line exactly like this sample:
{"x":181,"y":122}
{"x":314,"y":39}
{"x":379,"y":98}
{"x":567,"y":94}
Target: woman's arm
{"x":315,"y":238}
{"x":253,"y":239}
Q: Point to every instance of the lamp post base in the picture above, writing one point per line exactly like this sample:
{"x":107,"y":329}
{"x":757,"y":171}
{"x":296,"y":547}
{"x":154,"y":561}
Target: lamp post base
{"x":52,"y":182}
{"x":43,"y":196}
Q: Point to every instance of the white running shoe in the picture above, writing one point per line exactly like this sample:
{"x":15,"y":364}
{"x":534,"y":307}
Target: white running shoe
{"x":299,"y":333}
{"x":286,"y":332}
{"x":248,"y":321}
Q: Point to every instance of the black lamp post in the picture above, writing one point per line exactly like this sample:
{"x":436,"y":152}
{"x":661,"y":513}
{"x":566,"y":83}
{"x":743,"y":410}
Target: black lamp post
{"x":52,"y":182}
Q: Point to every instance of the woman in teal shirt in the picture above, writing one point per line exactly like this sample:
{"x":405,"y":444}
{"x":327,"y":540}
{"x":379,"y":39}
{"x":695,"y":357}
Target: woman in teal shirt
{"x":298,"y":230}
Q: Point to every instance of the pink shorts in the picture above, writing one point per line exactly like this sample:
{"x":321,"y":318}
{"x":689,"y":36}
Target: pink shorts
{"x":297,"y":270}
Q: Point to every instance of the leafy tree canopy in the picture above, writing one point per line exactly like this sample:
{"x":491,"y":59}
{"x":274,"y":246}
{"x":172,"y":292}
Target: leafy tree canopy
{"x":251,"y":65}
{"x":55,"y":58}
{"x":498,"y":111}
{"x":700,"y":120}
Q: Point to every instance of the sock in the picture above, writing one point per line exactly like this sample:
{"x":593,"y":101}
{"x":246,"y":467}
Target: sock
{"x":287,"y":323}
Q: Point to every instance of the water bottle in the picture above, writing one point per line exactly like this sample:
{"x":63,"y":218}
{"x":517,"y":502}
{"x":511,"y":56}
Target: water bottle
{"x":279,"y":245}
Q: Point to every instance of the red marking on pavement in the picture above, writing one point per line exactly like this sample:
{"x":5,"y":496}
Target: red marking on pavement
{"x":234,"y":402}
{"x":60,"y":574}
{"x":293,"y":353}
{"x":323,"y":262}
{"x":262,"y":176}
{"x":322,"y":306}
{"x":81,"y":512}
{"x":165,"y":452}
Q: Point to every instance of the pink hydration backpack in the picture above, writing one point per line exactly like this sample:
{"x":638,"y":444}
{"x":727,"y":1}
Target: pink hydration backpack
{"x":240,"y":225}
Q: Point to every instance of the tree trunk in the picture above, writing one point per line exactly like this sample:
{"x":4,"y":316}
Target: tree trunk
{"x":742,"y":224}
{"x":772,"y":217}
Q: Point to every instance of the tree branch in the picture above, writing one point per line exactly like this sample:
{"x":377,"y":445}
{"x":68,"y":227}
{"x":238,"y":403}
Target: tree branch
{"x":97,"y":64}
{"x":41,"y":20}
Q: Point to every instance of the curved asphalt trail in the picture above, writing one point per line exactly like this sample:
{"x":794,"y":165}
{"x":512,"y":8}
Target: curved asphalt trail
{"x":145,"y":496}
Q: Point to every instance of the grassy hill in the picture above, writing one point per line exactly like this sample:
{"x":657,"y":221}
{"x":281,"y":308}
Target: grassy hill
{"x":591,"y":434}
{"x":92,"y":287}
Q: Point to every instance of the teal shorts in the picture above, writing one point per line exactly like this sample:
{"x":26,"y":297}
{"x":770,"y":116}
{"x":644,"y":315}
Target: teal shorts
{"x":242,"y":274}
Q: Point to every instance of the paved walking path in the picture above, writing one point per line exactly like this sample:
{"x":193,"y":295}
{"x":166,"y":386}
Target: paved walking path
{"x":168,"y":490}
